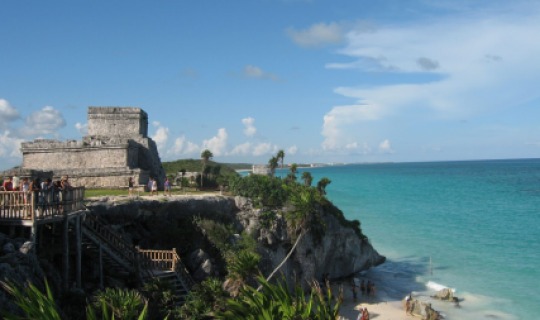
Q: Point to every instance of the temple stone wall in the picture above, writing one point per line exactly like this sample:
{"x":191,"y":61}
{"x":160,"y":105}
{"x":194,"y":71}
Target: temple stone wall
{"x":116,"y":148}
{"x":80,"y":158}
{"x":116,"y":121}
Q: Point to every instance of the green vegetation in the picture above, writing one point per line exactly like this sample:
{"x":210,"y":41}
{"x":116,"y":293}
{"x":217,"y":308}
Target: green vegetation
{"x":108,"y":304}
{"x":210,"y":174}
{"x":194,"y":165}
{"x":276,"y":301}
{"x":305,"y":202}
{"x":242,"y":293}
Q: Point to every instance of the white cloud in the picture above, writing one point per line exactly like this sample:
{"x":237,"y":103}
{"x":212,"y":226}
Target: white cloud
{"x":337,"y":123}
{"x":160,"y":136}
{"x":385,"y":147}
{"x":45,"y":121}
{"x":251,"y":71}
{"x":263,"y":148}
{"x":7,"y":114}
{"x":319,"y":34}
{"x":183,"y":147}
{"x":9,"y":146}
{"x":218,"y":143}
{"x":249,"y":129}
{"x":292,"y":150}
{"x":482,"y":64}
{"x":352,"y":145}
{"x":82,"y":128}
{"x":241,"y":149}
{"x":467,"y":81}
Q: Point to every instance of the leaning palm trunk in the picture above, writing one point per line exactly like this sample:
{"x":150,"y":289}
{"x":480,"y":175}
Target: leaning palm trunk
{"x":284,"y":259}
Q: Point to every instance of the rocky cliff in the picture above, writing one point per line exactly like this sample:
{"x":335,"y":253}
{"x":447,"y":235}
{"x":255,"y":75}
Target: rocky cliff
{"x":174,"y":222}
{"x":161,"y":224}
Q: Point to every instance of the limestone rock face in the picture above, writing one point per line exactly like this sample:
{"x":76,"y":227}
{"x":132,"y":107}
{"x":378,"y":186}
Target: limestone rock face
{"x":18,"y":265}
{"x":339,"y":252}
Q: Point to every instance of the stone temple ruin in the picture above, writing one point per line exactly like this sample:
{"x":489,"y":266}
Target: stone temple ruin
{"x":117,"y":147}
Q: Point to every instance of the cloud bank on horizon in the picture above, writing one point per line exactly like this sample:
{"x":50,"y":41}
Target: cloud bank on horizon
{"x":454,"y":82}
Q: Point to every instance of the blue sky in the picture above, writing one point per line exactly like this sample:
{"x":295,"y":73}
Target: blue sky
{"x":326,"y":81}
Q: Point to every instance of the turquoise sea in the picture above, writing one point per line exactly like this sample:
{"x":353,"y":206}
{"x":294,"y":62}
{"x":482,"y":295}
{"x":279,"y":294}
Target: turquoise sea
{"x":469,"y":225}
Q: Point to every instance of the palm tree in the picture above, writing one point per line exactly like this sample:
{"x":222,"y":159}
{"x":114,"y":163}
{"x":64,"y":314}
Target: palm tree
{"x":291,"y":177}
{"x":321,"y":185}
{"x":281,"y":155}
{"x":306,"y":176}
{"x":273,"y":163}
{"x":205,"y":156}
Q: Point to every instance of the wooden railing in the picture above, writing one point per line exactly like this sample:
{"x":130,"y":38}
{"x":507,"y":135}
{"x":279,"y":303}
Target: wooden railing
{"x":108,"y":236}
{"x":166,"y":260}
{"x":20,"y":205}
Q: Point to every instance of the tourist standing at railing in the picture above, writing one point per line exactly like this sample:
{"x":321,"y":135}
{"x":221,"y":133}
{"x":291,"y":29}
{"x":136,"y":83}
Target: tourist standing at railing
{"x":16,"y":183}
{"x":25,"y":188}
{"x":56,"y":191}
{"x":34,"y":191}
{"x":8,"y":184}
{"x":66,"y":189}
{"x":45,"y":195}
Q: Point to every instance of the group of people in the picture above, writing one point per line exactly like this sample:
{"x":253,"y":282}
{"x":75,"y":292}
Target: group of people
{"x":153,"y":186}
{"x":366,"y":289}
{"x":47,"y":192}
{"x":413,"y":306}
{"x":363,"y":314}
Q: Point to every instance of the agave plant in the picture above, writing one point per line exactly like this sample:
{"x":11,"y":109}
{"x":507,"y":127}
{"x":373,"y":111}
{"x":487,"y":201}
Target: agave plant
{"x":276,"y":301}
{"x":120,"y":303}
{"x":33,"y":303}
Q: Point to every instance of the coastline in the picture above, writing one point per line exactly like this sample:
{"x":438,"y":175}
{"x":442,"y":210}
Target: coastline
{"x":380,"y":307}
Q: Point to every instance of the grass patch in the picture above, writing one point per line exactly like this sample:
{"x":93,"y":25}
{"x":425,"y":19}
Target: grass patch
{"x":89,"y":193}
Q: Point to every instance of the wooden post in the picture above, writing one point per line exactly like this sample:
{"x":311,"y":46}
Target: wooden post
{"x":79,"y":250}
{"x":65,"y":253}
{"x":33,"y":235}
{"x":100,"y":266}
{"x":174,"y":259}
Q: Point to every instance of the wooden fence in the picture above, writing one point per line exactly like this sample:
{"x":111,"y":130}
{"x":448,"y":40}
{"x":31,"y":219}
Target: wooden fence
{"x":20,"y":205}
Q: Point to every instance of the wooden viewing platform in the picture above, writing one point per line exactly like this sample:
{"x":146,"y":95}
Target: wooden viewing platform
{"x":27,"y":208}
{"x":87,"y":232}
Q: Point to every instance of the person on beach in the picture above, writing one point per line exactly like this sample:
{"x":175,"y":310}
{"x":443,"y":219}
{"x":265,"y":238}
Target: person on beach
{"x":363,"y":315}
{"x":363,"y":287}
{"x":368,"y":288}
{"x":353,"y":288}
{"x":408,"y":301}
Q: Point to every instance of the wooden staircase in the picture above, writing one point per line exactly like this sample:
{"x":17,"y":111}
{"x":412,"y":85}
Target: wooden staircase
{"x":124,"y":259}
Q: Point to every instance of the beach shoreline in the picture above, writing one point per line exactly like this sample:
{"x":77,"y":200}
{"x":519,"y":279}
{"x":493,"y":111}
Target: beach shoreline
{"x":380,"y":306}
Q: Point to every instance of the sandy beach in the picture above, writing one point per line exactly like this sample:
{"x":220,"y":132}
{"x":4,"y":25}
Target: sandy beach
{"x":379,"y":307}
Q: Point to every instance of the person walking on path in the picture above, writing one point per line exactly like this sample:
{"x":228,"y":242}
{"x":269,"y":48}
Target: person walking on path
{"x":154,"y":187}
{"x":130,"y":186}
{"x":167,"y":187}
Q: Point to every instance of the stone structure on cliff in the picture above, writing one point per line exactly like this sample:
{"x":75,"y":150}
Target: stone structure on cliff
{"x":117,"y":147}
